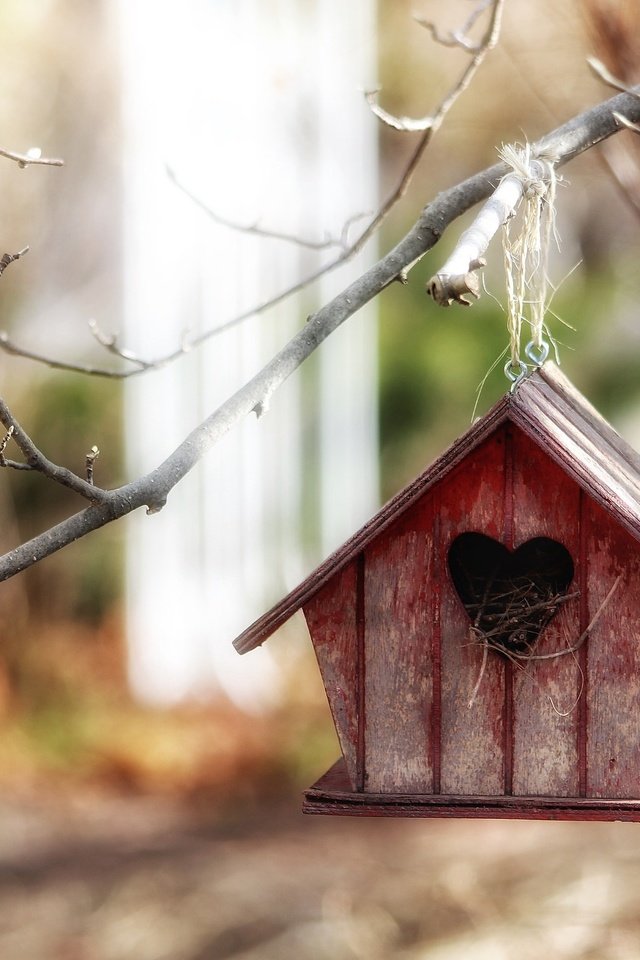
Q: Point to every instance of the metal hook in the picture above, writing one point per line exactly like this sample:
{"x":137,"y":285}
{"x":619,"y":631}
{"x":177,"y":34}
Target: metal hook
{"x":537,"y":353}
{"x":515,"y":373}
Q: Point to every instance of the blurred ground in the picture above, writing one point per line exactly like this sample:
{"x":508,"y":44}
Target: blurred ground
{"x":98,"y":877}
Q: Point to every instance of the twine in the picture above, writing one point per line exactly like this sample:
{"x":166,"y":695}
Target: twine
{"x":526,"y":254}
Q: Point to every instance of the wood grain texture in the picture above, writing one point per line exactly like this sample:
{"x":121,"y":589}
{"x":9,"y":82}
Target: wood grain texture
{"x":558,"y":739}
{"x":554,"y":415}
{"x":331,"y":618}
{"x":613,"y":709}
{"x":472,"y":758}
{"x":331,"y":795}
{"x":545,"y":714}
{"x":398,"y":663}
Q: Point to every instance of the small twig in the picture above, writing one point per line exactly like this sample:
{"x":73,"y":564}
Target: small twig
{"x":623,"y":168}
{"x":430,"y":124}
{"x":5,"y":441}
{"x":110,"y":342}
{"x":89,"y":462}
{"x":11,"y":258}
{"x":627,"y":123}
{"x":456,"y":38}
{"x":583,"y":636}
{"x":36,"y":460}
{"x":256,"y":230}
{"x":598,"y":67}
{"x":32,"y":156}
{"x":474,"y":693}
{"x":447,"y":288}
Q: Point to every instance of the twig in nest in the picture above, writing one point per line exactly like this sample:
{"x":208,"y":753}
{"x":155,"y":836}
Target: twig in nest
{"x":583,"y":636}
{"x":511,"y":612}
{"x":519,"y":658}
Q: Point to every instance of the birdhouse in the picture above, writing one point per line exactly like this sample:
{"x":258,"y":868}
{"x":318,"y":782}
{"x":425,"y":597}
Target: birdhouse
{"x":479,"y":638}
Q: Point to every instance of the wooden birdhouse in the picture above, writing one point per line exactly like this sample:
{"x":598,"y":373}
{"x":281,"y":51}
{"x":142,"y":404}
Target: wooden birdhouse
{"x":479,"y":638}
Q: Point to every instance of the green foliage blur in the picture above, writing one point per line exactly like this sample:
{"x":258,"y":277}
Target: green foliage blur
{"x":68,"y":414}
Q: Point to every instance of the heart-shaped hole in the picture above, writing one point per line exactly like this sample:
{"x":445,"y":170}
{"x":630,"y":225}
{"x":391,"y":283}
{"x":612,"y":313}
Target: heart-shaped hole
{"x":510,"y":595}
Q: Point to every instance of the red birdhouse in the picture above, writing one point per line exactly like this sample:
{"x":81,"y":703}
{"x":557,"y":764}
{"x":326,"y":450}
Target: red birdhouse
{"x":479,"y":638}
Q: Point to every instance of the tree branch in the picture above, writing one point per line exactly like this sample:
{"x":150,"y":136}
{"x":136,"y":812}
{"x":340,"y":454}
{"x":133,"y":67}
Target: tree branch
{"x":34,"y":155}
{"x":141,"y":365}
{"x":457,"y":38}
{"x":35,"y":460}
{"x":430,"y":124}
{"x":152,"y":490}
{"x":255,"y":230}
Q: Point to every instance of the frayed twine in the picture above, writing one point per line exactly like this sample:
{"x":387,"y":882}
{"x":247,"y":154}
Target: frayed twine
{"x":526,"y":252}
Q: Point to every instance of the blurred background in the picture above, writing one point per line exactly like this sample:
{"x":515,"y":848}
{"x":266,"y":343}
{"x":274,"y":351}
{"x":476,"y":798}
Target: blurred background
{"x":149,"y":777}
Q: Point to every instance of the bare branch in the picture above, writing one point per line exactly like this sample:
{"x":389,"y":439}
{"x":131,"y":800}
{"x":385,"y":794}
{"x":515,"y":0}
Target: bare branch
{"x":457,"y":38}
{"x":257,"y":231}
{"x":11,"y":258}
{"x":141,"y":365}
{"x":607,"y":77}
{"x":627,"y":123}
{"x":623,"y":169}
{"x":431,"y":123}
{"x":32,"y":156}
{"x":35,"y":460}
{"x":89,"y":462}
{"x":406,"y":124}
{"x":152,"y":490}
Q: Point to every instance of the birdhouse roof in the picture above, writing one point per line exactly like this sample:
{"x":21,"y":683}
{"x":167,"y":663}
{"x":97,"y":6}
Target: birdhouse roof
{"x":554,"y":415}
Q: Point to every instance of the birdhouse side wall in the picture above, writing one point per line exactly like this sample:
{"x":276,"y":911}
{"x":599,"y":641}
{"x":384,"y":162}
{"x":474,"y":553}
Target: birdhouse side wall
{"x":422,"y":707}
{"x":332,"y":619}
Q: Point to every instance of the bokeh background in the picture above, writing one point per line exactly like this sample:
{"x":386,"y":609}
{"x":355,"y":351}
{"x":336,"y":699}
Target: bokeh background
{"x":134,"y":831}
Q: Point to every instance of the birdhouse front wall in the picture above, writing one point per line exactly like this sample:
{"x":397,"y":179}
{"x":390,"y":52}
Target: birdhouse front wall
{"x":422,"y":707}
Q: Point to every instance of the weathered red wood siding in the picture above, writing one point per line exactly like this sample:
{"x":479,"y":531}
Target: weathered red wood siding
{"x":545,"y":710}
{"x":392,"y":640}
{"x":471,"y":499}
{"x":333,"y":624}
{"x":398,"y":616}
{"x":613,"y":664}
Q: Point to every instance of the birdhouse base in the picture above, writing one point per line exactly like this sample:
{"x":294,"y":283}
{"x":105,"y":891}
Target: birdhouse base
{"x":332,"y":795}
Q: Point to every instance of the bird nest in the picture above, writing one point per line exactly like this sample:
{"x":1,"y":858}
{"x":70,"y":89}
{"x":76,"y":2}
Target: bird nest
{"x":510,"y":613}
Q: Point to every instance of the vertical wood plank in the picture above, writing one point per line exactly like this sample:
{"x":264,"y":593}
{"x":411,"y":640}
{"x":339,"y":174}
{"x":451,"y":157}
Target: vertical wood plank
{"x":332,"y":620}
{"x":439,"y":575}
{"x":545,"y":712}
{"x":398,"y":664}
{"x":472,"y":759}
{"x":613,"y":709}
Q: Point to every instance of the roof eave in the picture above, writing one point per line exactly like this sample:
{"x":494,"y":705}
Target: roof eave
{"x":259,"y":631}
